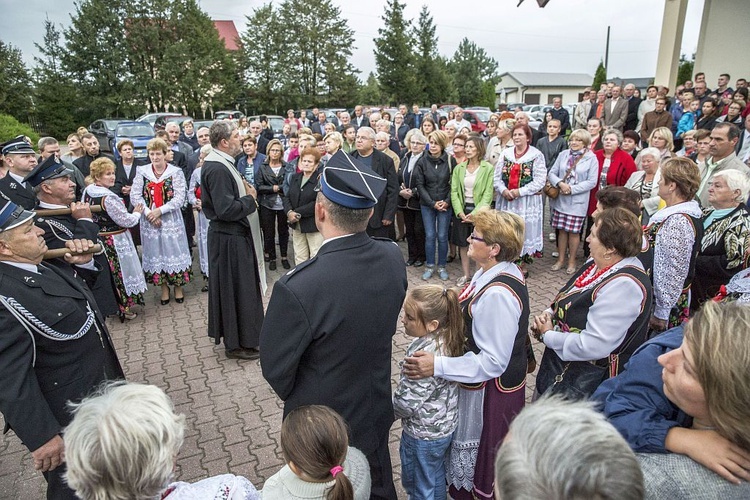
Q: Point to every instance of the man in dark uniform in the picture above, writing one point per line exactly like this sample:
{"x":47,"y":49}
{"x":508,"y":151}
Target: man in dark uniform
{"x":54,"y":344}
{"x":236,"y":281}
{"x":21,"y":159}
{"x":55,"y":189}
{"x":327,"y":336}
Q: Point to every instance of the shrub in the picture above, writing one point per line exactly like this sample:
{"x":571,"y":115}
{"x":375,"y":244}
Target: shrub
{"x":10,"y":128}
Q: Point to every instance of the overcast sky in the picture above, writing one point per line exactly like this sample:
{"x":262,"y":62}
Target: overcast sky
{"x":566,"y":36}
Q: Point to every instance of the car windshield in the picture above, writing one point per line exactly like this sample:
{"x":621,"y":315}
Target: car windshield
{"x":530,"y":107}
{"x":135,"y":130}
{"x":111,"y":124}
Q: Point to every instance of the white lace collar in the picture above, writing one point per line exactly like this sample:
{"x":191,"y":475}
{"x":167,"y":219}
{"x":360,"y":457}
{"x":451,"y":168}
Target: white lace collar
{"x":686,"y":207}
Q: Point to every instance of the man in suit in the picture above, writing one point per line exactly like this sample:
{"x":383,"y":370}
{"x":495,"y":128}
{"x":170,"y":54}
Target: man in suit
{"x":91,"y":148}
{"x":384,"y":212}
{"x":256,"y":129}
{"x":434,"y":113}
{"x":597,"y":106}
{"x":20,"y":159}
{"x":315,"y":347}
{"x":54,"y":346}
{"x":631,"y":122}
{"x":615,"y":110}
{"x":319,"y":126}
{"x":194,"y":157}
{"x":175,"y":144}
{"x":359,"y":120}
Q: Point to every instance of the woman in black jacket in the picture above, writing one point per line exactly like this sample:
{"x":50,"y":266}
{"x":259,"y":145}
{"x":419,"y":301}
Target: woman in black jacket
{"x":709,"y":115}
{"x":299,"y":206}
{"x":433,"y":180}
{"x":408,"y":198}
{"x":269,"y":184}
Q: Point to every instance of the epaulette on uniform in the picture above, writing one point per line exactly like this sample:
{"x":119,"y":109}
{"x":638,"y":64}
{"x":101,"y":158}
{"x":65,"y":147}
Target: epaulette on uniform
{"x":299,"y":267}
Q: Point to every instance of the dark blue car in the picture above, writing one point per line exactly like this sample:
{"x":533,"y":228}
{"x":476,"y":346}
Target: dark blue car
{"x":138,"y":132}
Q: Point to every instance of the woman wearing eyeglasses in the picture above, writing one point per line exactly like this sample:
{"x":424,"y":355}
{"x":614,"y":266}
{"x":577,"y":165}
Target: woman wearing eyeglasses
{"x":492,"y":373}
{"x":269,"y":182}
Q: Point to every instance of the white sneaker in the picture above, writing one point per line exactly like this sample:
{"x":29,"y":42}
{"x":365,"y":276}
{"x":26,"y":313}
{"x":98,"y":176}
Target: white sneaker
{"x":552,"y":237}
{"x":555,"y":254}
{"x":462,"y":281}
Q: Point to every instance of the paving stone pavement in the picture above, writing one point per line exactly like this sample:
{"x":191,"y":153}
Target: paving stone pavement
{"x":233,"y":417}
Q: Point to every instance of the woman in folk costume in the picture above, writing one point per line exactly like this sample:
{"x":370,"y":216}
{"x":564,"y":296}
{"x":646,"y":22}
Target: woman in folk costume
{"x":161,"y":188}
{"x":520,"y":175}
{"x":194,"y":197}
{"x":114,"y":221}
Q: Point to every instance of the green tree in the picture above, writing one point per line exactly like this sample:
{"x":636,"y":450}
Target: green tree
{"x":434,"y":81}
{"x":685,"y":69}
{"x":97,"y":58}
{"x":55,"y":96}
{"x":369,"y":93}
{"x":394,"y":56}
{"x":15,"y":83}
{"x":262,"y":58}
{"x":474,"y":72}
{"x":10,"y":128}
{"x":600,"y":76}
{"x":200,"y":71}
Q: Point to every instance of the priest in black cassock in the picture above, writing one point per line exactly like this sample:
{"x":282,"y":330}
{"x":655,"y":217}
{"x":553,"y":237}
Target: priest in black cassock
{"x":236,"y":274}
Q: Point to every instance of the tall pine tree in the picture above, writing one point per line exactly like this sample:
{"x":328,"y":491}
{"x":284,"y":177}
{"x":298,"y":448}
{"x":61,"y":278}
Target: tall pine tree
{"x":56,"y":97}
{"x":475,"y":74}
{"x":599,"y":77}
{"x":15,"y":84}
{"x":394,"y":56}
{"x":434,"y":82}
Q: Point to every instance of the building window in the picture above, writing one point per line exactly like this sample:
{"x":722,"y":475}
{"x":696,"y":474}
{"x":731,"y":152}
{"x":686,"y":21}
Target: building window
{"x":550,"y":97}
{"x":532,"y":98}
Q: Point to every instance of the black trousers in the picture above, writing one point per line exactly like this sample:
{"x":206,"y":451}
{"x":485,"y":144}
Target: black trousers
{"x":415,"y":236}
{"x":268,"y":219}
{"x":57,"y":488}
{"x":381,"y":472}
{"x":189,"y":220}
{"x":587,"y":232}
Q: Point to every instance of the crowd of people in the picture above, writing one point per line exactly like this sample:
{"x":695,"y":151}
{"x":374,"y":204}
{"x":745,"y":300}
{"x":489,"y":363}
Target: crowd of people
{"x":649,"y":326}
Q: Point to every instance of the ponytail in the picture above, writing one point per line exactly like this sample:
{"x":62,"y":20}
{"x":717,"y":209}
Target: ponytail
{"x":342,"y":489}
{"x":452,"y":333}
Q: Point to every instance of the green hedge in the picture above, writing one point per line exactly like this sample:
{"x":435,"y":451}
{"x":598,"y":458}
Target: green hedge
{"x":10,"y":128}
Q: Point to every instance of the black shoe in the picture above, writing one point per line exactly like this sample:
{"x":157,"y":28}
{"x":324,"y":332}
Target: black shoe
{"x":242,"y":353}
{"x":450,"y":258}
{"x":179,"y":300}
{"x":410,"y":262}
{"x":205,"y":288}
{"x":164,"y":302}
{"x":272,"y":265}
{"x":418,"y":263}
{"x":285,"y":264}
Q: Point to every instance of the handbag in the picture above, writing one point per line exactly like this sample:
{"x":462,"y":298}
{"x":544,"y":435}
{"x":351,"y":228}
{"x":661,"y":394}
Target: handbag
{"x":554,"y":191}
{"x":570,"y":379}
{"x":550,"y":190}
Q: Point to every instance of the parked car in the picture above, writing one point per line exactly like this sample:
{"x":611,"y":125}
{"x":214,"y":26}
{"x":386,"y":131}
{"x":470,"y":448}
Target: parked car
{"x":233,"y":114}
{"x":512,"y":106}
{"x":138,"y":132}
{"x":161,"y":122}
{"x":104,"y":131}
{"x":203,"y":123}
{"x":536,"y":111}
{"x":151,"y":117}
{"x":276,"y":122}
{"x":477,"y":118}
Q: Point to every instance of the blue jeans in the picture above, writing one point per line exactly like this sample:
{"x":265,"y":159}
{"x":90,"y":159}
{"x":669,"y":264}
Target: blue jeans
{"x":423,"y":467}
{"x":437,"y":225}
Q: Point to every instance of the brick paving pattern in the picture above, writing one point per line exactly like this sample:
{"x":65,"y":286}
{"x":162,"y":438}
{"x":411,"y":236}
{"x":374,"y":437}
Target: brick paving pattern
{"x":233,"y":417}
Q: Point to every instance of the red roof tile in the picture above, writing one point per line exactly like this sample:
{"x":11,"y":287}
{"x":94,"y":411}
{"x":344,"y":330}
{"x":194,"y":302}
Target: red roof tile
{"x":228,"y":33}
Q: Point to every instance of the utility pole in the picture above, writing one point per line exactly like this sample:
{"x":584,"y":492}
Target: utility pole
{"x":606,"y":56}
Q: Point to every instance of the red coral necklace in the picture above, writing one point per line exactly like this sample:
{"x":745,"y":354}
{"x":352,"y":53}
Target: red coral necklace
{"x":589,"y":276}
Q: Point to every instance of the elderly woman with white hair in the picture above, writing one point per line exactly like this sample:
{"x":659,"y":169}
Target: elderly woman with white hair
{"x":194,"y":197}
{"x":382,"y":141}
{"x":726,"y":235}
{"x":646,"y":182}
{"x":501,"y":141}
{"x":123,"y":443}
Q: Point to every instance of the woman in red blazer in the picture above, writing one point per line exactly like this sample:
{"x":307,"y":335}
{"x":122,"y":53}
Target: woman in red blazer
{"x":615,"y":168}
